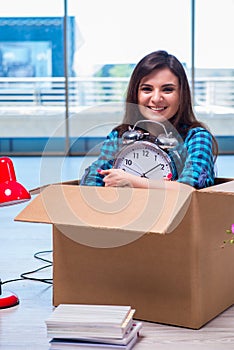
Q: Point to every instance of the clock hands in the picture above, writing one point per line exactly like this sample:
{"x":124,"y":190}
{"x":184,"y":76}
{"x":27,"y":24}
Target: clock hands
{"x":137,"y":172}
{"x":143,"y":174}
{"x":155,"y":167}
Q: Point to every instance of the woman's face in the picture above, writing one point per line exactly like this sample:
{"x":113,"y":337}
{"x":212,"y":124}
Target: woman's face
{"x":158,"y":95}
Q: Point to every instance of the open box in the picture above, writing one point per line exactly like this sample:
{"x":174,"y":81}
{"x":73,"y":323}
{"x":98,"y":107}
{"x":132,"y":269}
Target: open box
{"x":158,"y":250}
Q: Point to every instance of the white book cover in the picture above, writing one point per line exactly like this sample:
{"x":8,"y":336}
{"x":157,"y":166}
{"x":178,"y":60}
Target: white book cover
{"x":77,"y":320}
{"x":72,"y":344}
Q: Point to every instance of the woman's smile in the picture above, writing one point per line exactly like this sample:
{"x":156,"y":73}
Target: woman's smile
{"x":158,"y":94}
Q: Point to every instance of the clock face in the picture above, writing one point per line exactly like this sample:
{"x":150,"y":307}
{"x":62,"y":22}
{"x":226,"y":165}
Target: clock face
{"x":145,"y":159}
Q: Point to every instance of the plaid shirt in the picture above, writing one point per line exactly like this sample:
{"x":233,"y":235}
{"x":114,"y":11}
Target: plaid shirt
{"x":196,"y":167}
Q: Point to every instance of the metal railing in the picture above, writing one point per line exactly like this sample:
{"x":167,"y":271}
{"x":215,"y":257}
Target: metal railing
{"x":32,"y":112}
{"x":215,"y":91}
{"x":51,"y":91}
{"x":209,"y":91}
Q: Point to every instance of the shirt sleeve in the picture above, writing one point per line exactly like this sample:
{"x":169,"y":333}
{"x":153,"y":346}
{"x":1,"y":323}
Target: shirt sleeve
{"x":198,"y":167}
{"x":105,"y":161}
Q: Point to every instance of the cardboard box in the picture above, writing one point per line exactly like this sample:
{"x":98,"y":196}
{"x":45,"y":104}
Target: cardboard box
{"x":158,"y":250}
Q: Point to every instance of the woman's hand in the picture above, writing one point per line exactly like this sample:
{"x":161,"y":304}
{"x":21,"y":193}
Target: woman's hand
{"x":121,"y":178}
{"x":116,"y":178}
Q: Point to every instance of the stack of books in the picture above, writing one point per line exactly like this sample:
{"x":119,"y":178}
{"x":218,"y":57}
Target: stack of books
{"x":75,"y":326}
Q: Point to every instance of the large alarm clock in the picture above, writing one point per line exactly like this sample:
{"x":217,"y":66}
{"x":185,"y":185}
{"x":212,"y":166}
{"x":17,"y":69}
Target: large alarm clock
{"x":145,"y":158}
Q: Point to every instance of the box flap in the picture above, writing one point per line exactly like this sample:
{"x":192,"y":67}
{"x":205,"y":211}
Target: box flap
{"x":225,"y":187}
{"x":141,"y":210}
{"x":35,"y":211}
{"x":37,"y":190}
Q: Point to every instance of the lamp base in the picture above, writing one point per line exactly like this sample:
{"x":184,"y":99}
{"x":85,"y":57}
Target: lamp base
{"x":8,"y":299}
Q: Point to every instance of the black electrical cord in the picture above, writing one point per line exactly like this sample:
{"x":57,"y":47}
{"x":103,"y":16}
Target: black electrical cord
{"x":44,"y":280}
{"x":24,"y":276}
{"x":43,"y":259}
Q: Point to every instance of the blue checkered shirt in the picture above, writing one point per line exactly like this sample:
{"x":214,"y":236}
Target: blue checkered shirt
{"x":196,"y":166}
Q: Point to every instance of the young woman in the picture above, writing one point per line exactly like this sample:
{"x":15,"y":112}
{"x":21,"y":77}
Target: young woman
{"x":158,"y":91}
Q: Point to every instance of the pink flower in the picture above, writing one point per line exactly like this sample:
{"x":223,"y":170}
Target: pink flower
{"x":231,"y":240}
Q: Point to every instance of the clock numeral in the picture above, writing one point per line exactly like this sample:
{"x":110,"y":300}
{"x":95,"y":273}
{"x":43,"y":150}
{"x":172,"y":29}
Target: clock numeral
{"x":128,"y":162}
{"x":145,"y":153}
{"x":135,"y":155}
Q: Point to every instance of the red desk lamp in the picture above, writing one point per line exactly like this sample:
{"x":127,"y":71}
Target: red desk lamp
{"x":11,"y":192}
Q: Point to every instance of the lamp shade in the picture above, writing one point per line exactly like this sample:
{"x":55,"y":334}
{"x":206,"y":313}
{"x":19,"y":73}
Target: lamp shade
{"x":11,"y":191}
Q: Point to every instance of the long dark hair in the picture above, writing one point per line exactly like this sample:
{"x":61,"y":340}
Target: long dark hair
{"x":185,"y":118}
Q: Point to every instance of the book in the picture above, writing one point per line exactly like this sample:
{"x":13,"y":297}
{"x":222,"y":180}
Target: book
{"x":126,"y":342}
{"x":101,"y":344}
{"x":78,"y":320}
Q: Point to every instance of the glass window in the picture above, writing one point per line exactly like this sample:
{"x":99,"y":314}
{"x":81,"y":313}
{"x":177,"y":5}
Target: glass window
{"x":214,"y":63}
{"x":64,"y":68}
{"x":113,"y":37}
{"x":32,"y":89}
